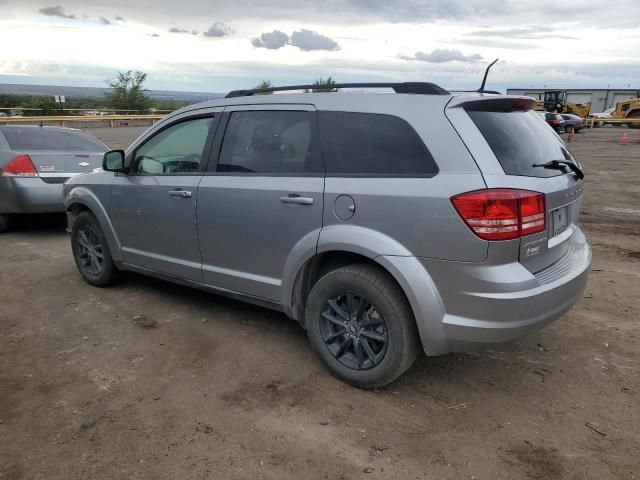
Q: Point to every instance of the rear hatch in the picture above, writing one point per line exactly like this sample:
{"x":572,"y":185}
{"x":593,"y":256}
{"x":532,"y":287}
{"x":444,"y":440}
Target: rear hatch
{"x":509,"y":143}
{"x":56,"y":153}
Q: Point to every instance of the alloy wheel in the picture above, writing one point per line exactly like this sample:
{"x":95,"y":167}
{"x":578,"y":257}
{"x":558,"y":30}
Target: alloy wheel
{"x":90,"y":253}
{"x":354,"y":331}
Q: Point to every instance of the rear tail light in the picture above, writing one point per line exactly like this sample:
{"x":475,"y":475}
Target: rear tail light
{"x":523,"y":103}
{"x":502,"y":214}
{"x":20,"y":166}
{"x":555,"y":121}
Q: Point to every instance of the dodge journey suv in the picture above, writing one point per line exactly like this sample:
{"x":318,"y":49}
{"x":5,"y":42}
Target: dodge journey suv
{"x":383,"y":222}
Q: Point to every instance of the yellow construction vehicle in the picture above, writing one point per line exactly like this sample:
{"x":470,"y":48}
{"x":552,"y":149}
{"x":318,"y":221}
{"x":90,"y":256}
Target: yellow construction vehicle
{"x":629,"y":108}
{"x":556,"y":101}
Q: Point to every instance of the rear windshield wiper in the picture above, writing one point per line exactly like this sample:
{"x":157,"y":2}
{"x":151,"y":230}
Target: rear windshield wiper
{"x":560,"y":165}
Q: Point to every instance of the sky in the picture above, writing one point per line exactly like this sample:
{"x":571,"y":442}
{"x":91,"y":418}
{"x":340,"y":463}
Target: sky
{"x":216,"y":46}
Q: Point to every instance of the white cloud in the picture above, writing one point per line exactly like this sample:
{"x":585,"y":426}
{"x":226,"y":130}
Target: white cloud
{"x":218,"y":29}
{"x":442,"y":56}
{"x":56,"y":11}
{"x":271,"y":40}
{"x":308,"y":40}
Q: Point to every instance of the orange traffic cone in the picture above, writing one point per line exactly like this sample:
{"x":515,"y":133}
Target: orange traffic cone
{"x":625,"y":139}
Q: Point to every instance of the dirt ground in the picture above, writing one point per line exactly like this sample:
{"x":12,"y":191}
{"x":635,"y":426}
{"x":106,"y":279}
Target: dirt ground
{"x":149,"y":380}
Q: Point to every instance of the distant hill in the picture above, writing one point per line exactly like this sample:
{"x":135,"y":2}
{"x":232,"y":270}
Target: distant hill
{"x":94,"y":92}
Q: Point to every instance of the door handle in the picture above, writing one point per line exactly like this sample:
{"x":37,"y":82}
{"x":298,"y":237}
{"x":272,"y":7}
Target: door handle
{"x":180,"y":193}
{"x":297,"y":199}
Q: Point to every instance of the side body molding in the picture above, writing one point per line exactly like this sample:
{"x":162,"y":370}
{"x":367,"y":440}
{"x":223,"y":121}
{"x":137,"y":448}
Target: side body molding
{"x":84,"y":196}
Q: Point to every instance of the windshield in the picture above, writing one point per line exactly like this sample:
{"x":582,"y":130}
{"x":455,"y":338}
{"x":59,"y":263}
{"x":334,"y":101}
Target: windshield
{"x":520,"y":139}
{"x":30,"y":139}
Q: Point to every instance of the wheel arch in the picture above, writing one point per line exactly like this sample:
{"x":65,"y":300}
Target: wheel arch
{"x":81,"y":199}
{"x":347,"y":245}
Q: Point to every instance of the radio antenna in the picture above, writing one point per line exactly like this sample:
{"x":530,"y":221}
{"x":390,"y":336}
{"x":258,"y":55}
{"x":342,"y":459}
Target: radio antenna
{"x":486,"y":72}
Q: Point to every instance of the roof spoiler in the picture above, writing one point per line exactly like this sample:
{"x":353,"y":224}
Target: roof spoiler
{"x":498,"y":104}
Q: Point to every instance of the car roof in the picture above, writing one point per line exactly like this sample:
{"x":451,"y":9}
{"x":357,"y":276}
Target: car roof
{"x":349,"y":101}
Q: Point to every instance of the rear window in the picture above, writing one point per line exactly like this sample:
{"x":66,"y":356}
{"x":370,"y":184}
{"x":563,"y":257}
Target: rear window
{"x":373,"y":144}
{"x":519,"y":140}
{"x":34,"y":138}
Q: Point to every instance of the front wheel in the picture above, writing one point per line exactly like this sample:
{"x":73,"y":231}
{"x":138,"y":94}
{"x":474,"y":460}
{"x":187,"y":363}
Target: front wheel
{"x":361,"y":326}
{"x":91,"y":251}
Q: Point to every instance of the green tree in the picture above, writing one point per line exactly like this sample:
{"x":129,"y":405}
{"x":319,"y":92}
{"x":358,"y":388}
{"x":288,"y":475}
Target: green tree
{"x":128,"y":92}
{"x":264,"y":84}
{"x":324,"y":85}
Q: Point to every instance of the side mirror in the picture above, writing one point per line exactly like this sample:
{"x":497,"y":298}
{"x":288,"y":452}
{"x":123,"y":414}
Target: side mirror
{"x":113,"y":161}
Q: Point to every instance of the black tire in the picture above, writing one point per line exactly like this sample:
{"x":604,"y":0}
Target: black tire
{"x":635,"y":114}
{"x":383,"y":301}
{"x":4,"y":222}
{"x":87,"y":231}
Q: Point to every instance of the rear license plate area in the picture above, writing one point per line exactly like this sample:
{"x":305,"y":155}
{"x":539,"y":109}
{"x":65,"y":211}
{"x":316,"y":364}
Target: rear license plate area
{"x":559,"y":220}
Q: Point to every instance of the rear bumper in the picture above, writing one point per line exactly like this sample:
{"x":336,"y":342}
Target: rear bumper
{"x":30,"y":195}
{"x":487,"y":304}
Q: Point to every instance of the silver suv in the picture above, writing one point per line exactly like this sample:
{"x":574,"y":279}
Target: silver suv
{"x":384,"y":223}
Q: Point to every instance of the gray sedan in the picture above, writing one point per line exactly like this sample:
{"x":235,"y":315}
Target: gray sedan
{"x":36,"y":161}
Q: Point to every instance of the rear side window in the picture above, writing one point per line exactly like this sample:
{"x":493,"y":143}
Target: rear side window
{"x":367,"y":144}
{"x":42,"y":138}
{"x":520,"y":139}
{"x":270,"y":142}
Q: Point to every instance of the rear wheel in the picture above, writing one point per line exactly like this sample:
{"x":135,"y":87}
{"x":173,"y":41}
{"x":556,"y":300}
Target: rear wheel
{"x":361,"y":326}
{"x":4,"y":222}
{"x":91,"y":251}
{"x":635,"y":114}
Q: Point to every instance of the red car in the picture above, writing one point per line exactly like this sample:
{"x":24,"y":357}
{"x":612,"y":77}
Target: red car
{"x":555,"y":120}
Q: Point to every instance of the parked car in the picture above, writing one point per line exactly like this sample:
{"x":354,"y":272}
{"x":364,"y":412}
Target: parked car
{"x":383,"y":223}
{"x":554,"y":120}
{"x":606,"y":114}
{"x":572,"y":122}
{"x":36,"y":161}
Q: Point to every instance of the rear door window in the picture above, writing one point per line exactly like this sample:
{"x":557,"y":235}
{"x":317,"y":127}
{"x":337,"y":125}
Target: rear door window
{"x":270,"y":142}
{"x":367,"y":144}
{"x":520,"y":139}
{"x":42,"y":138}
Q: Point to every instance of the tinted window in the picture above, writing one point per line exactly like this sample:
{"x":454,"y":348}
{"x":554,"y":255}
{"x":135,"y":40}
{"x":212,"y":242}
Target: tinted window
{"x":372,"y":144}
{"x":177,"y":149}
{"x":270,"y":142}
{"x":42,"y":138}
{"x":519,"y":140}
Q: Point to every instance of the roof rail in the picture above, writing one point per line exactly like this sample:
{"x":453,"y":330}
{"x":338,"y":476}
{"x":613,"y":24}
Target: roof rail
{"x":424,"y":88}
{"x":476,"y":91}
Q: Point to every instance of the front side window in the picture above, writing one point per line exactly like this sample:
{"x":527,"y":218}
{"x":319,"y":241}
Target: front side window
{"x":373,"y":144}
{"x":177,"y":149}
{"x":270,"y":142}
